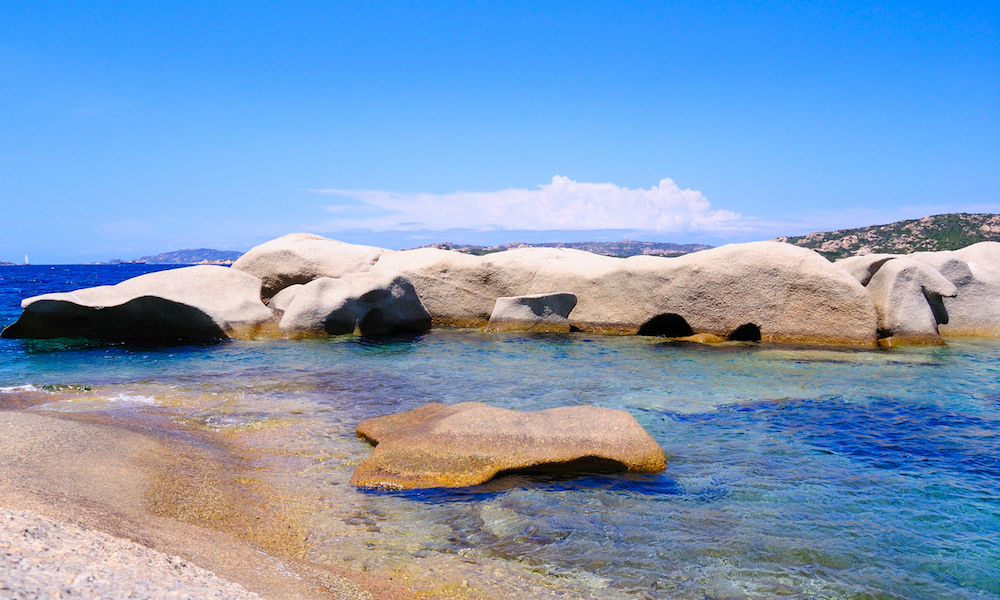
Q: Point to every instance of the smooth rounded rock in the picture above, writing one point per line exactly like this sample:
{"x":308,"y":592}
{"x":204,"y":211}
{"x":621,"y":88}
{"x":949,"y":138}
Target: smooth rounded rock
{"x":537,"y":313}
{"x":303,"y":257}
{"x":975,"y":272}
{"x":908,"y":296}
{"x":783,"y":292}
{"x":369,"y":303}
{"x":466,"y":444}
{"x":864,"y":267}
{"x":203,"y":301}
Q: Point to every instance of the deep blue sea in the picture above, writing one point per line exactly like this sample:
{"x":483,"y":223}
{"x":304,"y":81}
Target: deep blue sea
{"x":793,"y":471}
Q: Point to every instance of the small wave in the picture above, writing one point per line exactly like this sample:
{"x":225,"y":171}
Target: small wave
{"x":132,"y":399}
{"x":18,"y":388}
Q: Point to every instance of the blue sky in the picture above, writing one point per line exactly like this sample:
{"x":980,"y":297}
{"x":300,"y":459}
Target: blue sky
{"x":136,"y":128}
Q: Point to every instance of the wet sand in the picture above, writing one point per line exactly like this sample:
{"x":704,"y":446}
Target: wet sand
{"x":159,"y":496}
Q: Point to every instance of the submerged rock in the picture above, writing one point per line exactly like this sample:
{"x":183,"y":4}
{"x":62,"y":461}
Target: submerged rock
{"x":537,"y":312}
{"x":370,"y":303}
{"x":465,"y":444}
{"x":191,"y":302}
{"x":701,"y":338}
{"x":303,"y":257}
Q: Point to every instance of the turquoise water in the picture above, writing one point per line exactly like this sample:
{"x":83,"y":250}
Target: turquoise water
{"x":803,"y":472}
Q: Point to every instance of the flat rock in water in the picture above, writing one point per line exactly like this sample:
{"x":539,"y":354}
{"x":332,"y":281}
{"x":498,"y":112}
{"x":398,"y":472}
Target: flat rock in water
{"x":469,"y":443}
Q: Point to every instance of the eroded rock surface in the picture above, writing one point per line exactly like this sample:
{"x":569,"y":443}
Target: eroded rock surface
{"x":975,"y":272}
{"x":465,"y":444}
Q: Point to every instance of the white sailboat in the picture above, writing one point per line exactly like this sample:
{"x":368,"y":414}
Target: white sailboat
{"x":26,"y":260}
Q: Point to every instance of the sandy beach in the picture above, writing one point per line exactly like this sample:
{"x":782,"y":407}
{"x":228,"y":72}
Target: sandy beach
{"x":91,"y":510}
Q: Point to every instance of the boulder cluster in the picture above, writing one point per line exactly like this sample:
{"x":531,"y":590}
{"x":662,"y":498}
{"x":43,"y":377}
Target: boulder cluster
{"x":303,"y":285}
{"x":921,"y":296}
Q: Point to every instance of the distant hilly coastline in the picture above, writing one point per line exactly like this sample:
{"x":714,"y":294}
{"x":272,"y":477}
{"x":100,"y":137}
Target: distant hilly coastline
{"x":937,"y":232}
{"x":620,"y":249}
{"x":930,"y":234}
{"x":201,"y":256}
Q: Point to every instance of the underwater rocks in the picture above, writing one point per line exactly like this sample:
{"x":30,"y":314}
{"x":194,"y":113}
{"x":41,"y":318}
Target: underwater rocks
{"x":469,"y":443}
{"x":192,"y":302}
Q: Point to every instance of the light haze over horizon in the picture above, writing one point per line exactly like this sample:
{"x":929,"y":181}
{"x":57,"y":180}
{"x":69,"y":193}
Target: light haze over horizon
{"x":131,"y":130}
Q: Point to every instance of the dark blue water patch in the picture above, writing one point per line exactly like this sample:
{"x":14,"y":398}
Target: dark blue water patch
{"x":603,"y":483}
{"x":907,"y":437}
{"x":43,"y":346}
{"x":383,"y":345}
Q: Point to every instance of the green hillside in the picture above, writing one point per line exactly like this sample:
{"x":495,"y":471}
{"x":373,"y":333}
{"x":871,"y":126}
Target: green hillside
{"x":939,"y":232}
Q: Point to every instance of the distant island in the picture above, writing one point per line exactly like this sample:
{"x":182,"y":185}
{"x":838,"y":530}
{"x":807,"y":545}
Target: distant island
{"x":938,"y":232}
{"x":201,"y":256}
{"x":619,"y":249}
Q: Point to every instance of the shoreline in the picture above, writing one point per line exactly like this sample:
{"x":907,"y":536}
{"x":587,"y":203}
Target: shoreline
{"x":151,"y":497}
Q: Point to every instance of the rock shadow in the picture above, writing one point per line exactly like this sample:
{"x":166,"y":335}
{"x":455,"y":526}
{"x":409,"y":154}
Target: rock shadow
{"x":666,"y":325}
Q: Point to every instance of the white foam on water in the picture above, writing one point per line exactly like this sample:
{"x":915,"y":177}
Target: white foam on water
{"x":18,"y":388}
{"x":131,"y":399}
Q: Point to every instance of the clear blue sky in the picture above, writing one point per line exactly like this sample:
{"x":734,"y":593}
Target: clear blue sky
{"x":136,"y":128}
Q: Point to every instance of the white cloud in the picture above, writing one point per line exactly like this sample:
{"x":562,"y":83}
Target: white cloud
{"x":563,"y":204}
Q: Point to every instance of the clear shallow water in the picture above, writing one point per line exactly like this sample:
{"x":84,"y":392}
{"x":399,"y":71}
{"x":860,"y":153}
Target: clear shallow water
{"x":806,"y":472}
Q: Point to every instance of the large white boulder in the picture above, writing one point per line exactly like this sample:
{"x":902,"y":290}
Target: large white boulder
{"x":369,"y":303}
{"x":908,"y":296}
{"x":761,"y":290}
{"x":975,"y":273}
{"x":191,"y":302}
{"x":303,"y":257}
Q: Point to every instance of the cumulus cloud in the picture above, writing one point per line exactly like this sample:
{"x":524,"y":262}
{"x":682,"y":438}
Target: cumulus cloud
{"x":562,"y":204}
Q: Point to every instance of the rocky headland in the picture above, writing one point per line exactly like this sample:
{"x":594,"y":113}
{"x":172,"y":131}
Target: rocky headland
{"x":303,"y":285}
